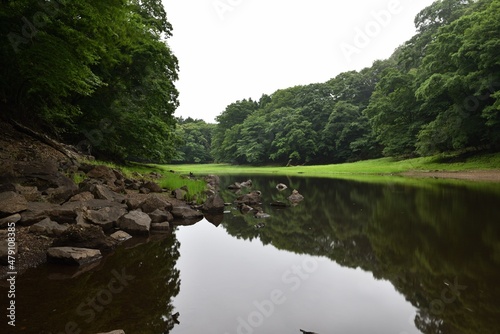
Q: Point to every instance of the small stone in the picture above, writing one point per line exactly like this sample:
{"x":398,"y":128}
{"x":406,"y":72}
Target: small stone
{"x":120,"y":236}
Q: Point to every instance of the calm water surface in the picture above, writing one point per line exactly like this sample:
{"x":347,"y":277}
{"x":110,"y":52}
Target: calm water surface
{"x":352,"y":257}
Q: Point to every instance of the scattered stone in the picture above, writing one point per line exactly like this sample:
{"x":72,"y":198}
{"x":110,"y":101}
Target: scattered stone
{"x":295,"y":197}
{"x":120,"y":236}
{"x":281,"y":186}
{"x":261,"y":215}
{"x":251,"y":198}
{"x":48,"y":227}
{"x":11,"y":202}
{"x":135,"y":222}
{"x":118,"y":331}
{"x":72,"y":255}
{"x":144,"y":190}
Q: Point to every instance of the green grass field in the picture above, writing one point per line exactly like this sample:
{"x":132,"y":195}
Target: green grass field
{"x":383,"y":166}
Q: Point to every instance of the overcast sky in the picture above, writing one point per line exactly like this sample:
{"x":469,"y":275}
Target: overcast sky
{"x":229,"y":50}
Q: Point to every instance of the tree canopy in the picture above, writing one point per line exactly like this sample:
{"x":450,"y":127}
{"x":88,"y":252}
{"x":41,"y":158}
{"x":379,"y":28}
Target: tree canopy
{"x":96,"y":73}
{"x":438,"y":92}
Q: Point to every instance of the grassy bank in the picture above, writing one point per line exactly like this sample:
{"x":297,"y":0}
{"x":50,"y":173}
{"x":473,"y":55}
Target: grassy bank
{"x":384,"y":166}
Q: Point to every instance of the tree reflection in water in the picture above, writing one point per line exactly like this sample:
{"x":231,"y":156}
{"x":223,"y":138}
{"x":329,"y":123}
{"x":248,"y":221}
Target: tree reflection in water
{"x":437,"y":242}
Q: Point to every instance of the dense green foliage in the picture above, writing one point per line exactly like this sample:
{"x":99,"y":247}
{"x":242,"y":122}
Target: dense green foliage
{"x":439,"y":92}
{"x":196,"y":141}
{"x":96,"y":73}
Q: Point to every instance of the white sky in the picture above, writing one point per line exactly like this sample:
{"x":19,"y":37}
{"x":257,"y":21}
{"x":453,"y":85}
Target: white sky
{"x":229,"y":50}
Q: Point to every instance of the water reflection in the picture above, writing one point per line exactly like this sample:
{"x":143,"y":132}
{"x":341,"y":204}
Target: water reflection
{"x":437,"y":243}
{"x":131,"y":289}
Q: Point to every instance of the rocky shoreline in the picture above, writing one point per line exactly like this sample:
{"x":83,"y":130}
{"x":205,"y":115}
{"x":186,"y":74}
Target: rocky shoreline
{"x":54,"y":219}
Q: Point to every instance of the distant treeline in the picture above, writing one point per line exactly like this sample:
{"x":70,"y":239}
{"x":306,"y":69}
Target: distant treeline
{"x":438,"y":92}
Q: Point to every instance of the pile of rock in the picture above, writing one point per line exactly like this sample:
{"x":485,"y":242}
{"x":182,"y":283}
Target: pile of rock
{"x":86,"y":220}
{"x":251,"y":201}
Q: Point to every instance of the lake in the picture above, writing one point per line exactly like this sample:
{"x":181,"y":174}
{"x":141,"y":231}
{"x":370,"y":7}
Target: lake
{"x":387,"y":257}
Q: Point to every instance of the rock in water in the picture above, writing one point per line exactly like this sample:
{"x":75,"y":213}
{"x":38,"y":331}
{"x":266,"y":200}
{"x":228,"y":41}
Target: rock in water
{"x":214,"y":204}
{"x":135,"y":222}
{"x":295,"y":197}
{"x":73,"y":255}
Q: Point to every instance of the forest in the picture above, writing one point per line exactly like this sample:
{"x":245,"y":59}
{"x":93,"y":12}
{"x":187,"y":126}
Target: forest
{"x":96,"y":74}
{"x":101,"y":76}
{"x":438,"y":92}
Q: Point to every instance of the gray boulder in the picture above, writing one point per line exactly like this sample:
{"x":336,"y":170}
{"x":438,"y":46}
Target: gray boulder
{"x":160,"y":216}
{"x":214,"y":204}
{"x":105,"y":217}
{"x":155,"y":202}
{"x":72,"y":255}
{"x":48,"y":227}
{"x":135,"y":222}
{"x":90,"y":236}
{"x":11,"y":202}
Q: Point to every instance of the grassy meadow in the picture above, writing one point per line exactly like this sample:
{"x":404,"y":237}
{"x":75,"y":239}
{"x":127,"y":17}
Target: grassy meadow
{"x":383,"y":166}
